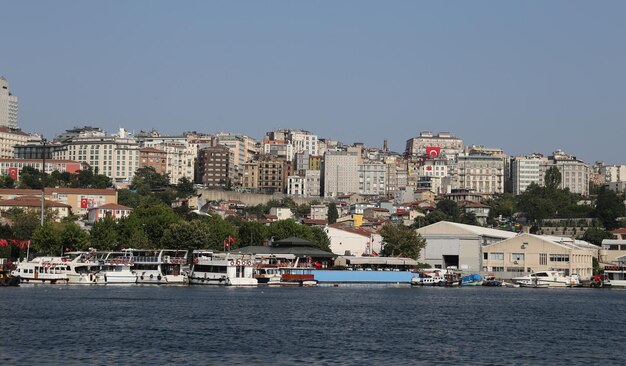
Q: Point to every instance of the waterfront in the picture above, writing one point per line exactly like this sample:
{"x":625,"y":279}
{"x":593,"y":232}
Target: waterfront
{"x":344,"y":325}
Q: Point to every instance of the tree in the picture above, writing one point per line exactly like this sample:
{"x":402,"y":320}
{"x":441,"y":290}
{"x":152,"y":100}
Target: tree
{"x":25,"y":223}
{"x":185,"y":188}
{"x":154,"y":219}
{"x":609,"y":206}
{"x":552,"y":178}
{"x":128,"y":198}
{"x":47,"y":239}
{"x":401,"y":241}
{"x":186,"y":235}
{"x":595,"y":235}
{"x":147,"y":179}
{"x":220,"y":230}
{"x":103,"y":234}
{"x":252,"y":233}
{"x":320,"y":238}
{"x":73,"y":237}
{"x":450,"y":208}
{"x":333,"y":215}
{"x":435,"y":216}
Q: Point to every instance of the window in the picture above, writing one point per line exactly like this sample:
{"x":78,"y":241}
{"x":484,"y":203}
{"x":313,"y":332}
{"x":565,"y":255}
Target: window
{"x":496,"y":256}
{"x":543,"y":259}
{"x":559,"y":257}
{"x":517,"y":257}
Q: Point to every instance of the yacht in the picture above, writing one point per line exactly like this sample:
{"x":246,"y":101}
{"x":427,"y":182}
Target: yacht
{"x":547,"y":279}
{"x":158,"y":266}
{"x":71,"y":268}
{"x":224,"y":269}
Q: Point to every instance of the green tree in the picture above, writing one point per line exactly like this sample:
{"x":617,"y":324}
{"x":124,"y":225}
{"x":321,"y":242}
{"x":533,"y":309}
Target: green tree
{"x":320,"y":238}
{"x":435,"y":216}
{"x":128,"y":198}
{"x":185,"y":188}
{"x":104,"y":235}
{"x":450,"y":208}
{"x":73,"y":237}
{"x":25,"y":223}
{"x":609,"y":206}
{"x":47,"y":239}
{"x":191,"y":235}
{"x":401,"y":241}
{"x":595,"y":235}
{"x":252,"y":233}
{"x":552,"y":178}
{"x":147,"y":179}
{"x":333,"y":214}
{"x":30,"y":178}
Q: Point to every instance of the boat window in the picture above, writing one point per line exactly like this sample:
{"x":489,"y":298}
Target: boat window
{"x":541,"y":274}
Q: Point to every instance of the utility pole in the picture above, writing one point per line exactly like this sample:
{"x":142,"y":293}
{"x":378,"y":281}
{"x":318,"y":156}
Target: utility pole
{"x":43,"y":178}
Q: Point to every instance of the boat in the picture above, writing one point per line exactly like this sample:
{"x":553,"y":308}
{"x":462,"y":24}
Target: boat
{"x":71,"y":268}
{"x":294,"y":276}
{"x":615,"y":276}
{"x":6,"y":279}
{"x":430,"y":277}
{"x":471,"y":280}
{"x":158,"y":266}
{"x":115,"y":269}
{"x":549,"y":278}
{"x":268,"y":275}
{"x":223,"y":269}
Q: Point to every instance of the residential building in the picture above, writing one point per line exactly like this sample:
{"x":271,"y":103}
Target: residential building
{"x":353,"y":241}
{"x":155,"y":158}
{"x":116,"y":156}
{"x":273,"y":174}
{"x":281,"y":213}
{"x":480,"y":173}
{"x":429,"y":144}
{"x":181,"y":151}
{"x":372,"y":179}
{"x":319,"y":212}
{"x":312,"y":183}
{"x":340,"y":173}
{"x":112,"y":210}
{"x":612,"y":173}
{"x":528,"y":253}
{"x":296,"y":186}
{"x":214,"y":166}
{"x":575,"y":174}
{"x":8,"y":106}
{"x":613,"y":249}
{"x":33,"y":203}
{"x":526,"y":170}
{"x":79,"y":199}
{"x":13,"y":167}
{"x":250,"y":176}
{"x":9,"y":137}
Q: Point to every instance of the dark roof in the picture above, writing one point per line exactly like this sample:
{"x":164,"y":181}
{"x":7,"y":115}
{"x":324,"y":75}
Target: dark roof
{"x":301,"y":251}
{"x":293,"y":242}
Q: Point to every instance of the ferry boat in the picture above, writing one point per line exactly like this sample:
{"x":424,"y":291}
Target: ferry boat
{"x":115,"y":269}
{"x":159,"y":266}
{"x":210,"y":268}
{"x":71,"y":268}
{"x":614,"y":276}
{"x":547,"y":279}
{"x":429,"y":277}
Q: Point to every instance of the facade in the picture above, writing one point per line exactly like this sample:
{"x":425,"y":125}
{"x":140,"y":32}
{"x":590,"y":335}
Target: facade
{"x":214,"y":165}
{"x":281,"y":213}
{"x":319,"y":212}
{"x":112,"y":210}
{"x":612,"y":249}
{"x":312,"y":183}
{"x":296,"y":186}
{"x":480,"y":173}
{"x":526,"y":170}
{"x":116,"y":156}
{"x":340,"y":173}
{"x":8,"y":105}
{"x":612,"y":173}
{"x":80,"y":200}
{"x":273,"y":174}
{"x":372,"y":179}
{"x":575,"y":174}
{"x":33,"y":203}
{"x":155,"y":158}
{"x":10,"y":137}
{"x":250,"y":176}
{"x":527,"y":253}
{"x":450,"y":244}
{"x":444,"y":143}
{"x":13,"y":167}
{"x":353,"y":241}
{"x":181,"y":152}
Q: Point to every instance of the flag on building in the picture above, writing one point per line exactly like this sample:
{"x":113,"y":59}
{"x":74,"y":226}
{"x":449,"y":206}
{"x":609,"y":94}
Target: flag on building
{"x":13,"y":173}
{"x":433,"y":151}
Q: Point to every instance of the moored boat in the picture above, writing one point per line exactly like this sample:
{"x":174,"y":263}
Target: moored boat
{"x":209,"y":268}
{"x":547,"y":279}
{"x":71,"y":268}
{"x":158,"y":266}
{"x":614,"y":276}
{"x":471,"y":280}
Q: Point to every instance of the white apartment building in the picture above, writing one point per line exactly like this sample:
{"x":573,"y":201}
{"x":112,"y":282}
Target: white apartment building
{"x":9,"y":106}
{"x":613,"y":173}
{"x":304,"y":141}
{"x":449,"y":145}
{"x":525,"y":170}
{"x":341,"y":173}
{"x":479,"y":173}
{"x":116,"y":156}
{"x":296,"y":186}
{"x":372,"y":179}
{"x":437,"y":167}
{"x":312,"y":183}
{"x":575,"y":174}
{"x":9,"y":138}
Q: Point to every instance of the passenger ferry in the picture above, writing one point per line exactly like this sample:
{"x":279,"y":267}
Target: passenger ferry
{"x":615,"y":276}
{"x":71,"y":268}
{"x":159,"y":266}
{"x":115,"y":269}
{"x":547,"y":279}
{"x":210,"y":268}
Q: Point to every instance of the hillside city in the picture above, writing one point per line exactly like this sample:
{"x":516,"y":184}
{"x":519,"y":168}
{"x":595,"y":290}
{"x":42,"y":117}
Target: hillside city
{"x":333,"y":188}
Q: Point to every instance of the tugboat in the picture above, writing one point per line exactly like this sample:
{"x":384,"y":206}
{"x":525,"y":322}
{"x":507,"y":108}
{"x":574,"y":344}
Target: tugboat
{"x":6,"y":279}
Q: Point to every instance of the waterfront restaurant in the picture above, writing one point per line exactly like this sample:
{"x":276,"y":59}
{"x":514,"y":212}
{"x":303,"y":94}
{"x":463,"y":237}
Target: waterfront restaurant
{"x":290,"y":250}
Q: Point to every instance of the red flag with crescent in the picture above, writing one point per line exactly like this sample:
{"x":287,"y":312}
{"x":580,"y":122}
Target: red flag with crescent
{"x":13,"y":173}
{"x":433,"y":151}
{"x":83,"y":203}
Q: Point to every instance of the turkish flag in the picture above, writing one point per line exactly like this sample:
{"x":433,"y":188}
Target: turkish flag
{"x":83,"y":203}
{"x":433,"y":151}
{"x":13,"y":173}
{"x":429,"y":167}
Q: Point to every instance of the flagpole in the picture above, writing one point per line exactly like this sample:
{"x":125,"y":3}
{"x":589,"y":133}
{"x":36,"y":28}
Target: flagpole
{"x":27,"y":250}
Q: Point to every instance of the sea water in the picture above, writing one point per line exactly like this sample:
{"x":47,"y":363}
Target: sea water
{"x":197,"y":325}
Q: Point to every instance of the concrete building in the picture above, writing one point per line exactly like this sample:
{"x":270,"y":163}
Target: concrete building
{"x":429,"y":144}
{"x":13,"y":167}
{"x":250,"y":176}
{"x":353,"y":241}
{"x":10,"y":137}
{"x":525,"y":170}
{"x":575,"y":174}
{"x":155,"y":158}
{"x":79,"y":199}
{"x":612,"y":173}
{"x":112,"y":210}
{"x":181,"y":151}
{"x":9,"y":107}
{"x":450,"y":244}
{"x":612,"y":249}
{"x":281,"y":213}
{"x":372,"y":179}
{"x":480,"y":173}
{"x":116,"y":156}
{"x":214,"y":167}
{"x":296,"y":186}
{"x":33,"y":203}
{"x":319,"y":212}
{"x":273,"y":174}
{"x":340,"y":173}
{"x":527,"y":253}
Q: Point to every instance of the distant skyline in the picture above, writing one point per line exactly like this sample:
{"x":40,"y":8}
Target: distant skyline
{"x":523,"y":76}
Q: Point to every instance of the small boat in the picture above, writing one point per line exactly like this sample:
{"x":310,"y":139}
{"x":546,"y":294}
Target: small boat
{"x":510,"y":285}
{"x":549,"y":278}
{"x":268,"y":275}
{"x":115,"y":269}
{"x":430,"y":277}
{"x":6,"y":279}
{"x":158,"y":266}
{"x":614,"y":276}
{"x":471,"y":280}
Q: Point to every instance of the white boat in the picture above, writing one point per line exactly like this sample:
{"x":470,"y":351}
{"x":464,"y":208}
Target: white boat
{"x":210,"y":268}
{"x":547,"y":279}
{"x":115,"y":269}
{"x":71,"y":268}
{"x":159,"y":266}
{"x":268,"y":275}
{"x":615,"y":276}
{"x":429,"y":277}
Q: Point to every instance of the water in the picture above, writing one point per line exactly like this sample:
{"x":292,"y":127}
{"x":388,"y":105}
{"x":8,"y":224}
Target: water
{"x":340,"y":325}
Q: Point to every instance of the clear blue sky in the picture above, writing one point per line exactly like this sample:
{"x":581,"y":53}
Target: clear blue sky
{"x":527,"y":76}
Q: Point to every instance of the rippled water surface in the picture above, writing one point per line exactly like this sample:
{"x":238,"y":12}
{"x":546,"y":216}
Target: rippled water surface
{"x":339,"y":325}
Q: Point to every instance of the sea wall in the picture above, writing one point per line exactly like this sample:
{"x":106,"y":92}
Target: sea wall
{"x":332,"y":276}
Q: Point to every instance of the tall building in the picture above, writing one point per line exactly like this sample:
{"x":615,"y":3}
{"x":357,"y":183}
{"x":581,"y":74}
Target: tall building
{"x":10,"y":137}
{"x":479,"y":173}
{"x":155,"y":158}
{"x":340,"y":173}
{"x":273,"y":174}
{"x":372,"y":179}
{"x":575,"y":174}
{"x":526,"y":170}
{"x":214,"y":166}
{"x":8,"y":105}
{"x":429,"y":144}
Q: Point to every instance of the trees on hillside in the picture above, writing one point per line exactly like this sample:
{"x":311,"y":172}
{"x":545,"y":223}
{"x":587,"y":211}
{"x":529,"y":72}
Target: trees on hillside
{"x":401,"y":241}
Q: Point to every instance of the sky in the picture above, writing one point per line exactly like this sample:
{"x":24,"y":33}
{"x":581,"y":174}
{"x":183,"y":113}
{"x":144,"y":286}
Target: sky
{"x":525,"y":76}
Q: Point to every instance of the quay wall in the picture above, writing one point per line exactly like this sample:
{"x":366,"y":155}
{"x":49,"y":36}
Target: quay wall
{"x":332,"y":276}
{"x":250,"y":199}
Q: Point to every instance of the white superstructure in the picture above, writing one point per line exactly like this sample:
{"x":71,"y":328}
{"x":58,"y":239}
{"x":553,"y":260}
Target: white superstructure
{"x":210,"y":268}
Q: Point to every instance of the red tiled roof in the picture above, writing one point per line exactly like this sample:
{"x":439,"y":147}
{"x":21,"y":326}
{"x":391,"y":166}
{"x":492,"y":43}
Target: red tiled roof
{"x":152,"y":149}
{"x":621,"y":230}
{"x":112,"y":206}
{"x":86,"y":191}
{"x":31,"y":202}
{"x":314,"y":222}
{"x":351,"y":230}
{"x":50,"y":161}
{"x":268,"y":216}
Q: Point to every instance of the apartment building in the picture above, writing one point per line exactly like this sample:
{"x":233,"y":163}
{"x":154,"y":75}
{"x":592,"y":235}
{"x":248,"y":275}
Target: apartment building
{"x":525,"y":170}
{"x":9,"y":106}
{"x":575,"y":174}
{"x":155,"y":158}
{"x":340,"y":173}
{"x":9,"y":137}
{"x":429,"y":144}
{"x":214,"y":166}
